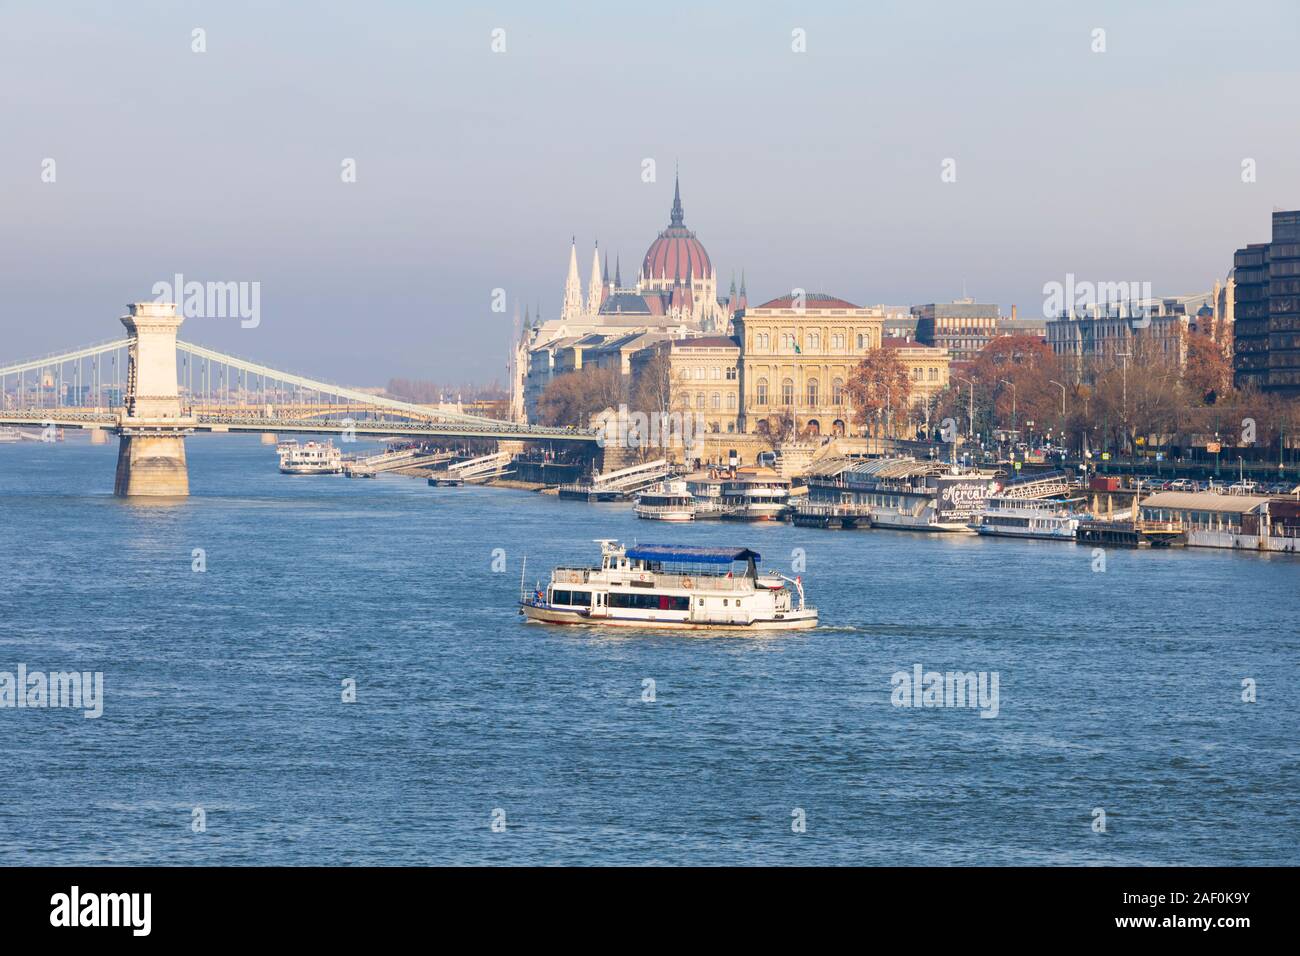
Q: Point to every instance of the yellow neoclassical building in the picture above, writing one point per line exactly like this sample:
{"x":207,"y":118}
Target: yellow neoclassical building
{"x":798,"y":352}
{"x":927,"y":369}
{"x":703,"y":378}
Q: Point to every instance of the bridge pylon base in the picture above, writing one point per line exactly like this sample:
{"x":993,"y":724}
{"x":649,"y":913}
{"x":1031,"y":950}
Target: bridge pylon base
{"x":152,"y":466}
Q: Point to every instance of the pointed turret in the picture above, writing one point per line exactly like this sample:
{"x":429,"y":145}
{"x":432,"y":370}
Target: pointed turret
{"x":594,"y":293}
{"x":618,"y":273}
{"x":572,"y":308}
{"x":744,"y":298}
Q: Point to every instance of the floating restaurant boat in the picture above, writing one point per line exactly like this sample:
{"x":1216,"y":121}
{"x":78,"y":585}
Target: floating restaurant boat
{"x":674,"y":587}
{"x":313,"y":458}
{"x":1054,"y":519}
{"x":1210,"y":520}
{"x":903,"y":493}
{"x":666,"y":501}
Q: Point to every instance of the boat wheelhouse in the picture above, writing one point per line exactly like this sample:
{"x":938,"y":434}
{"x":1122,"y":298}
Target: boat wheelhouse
{"x":666,"y":501}
{"x":671,"y":586}
{"x":1054,"y":519}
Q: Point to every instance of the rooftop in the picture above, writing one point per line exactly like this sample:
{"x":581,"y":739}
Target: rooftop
{"x":692,"y":554}
{"x":1205,"y":501}
{"x":811,"y":300}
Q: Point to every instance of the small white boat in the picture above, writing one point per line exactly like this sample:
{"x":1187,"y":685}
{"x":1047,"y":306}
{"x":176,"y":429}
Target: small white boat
{"x":1047,"y":518}
{"x":8,"y":435}
{"x":313,"y":458}
{"x":666,"y":501}
{"x":674,"y":587}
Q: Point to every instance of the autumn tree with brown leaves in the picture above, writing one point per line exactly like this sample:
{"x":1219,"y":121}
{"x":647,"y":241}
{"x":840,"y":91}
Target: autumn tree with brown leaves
{"x":572,"y":398}
{"x":880,"y":382}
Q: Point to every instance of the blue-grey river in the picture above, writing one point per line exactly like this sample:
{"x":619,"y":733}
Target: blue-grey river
{"x":225,"y":739}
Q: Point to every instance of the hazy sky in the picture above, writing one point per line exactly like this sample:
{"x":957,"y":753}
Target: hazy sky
{"x":818,"y":170}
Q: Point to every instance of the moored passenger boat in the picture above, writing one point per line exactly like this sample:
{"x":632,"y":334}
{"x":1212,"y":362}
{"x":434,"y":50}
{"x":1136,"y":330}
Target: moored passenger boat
{"x":313,"y":458}
{"x":902,"y":493}
{"x":676,"y":587}
{"x":1048,"y":518}
{"x":666,"y":501}
{"x":755,"y":494}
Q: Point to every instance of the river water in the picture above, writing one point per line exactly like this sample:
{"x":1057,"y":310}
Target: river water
{"x":224,"y":736}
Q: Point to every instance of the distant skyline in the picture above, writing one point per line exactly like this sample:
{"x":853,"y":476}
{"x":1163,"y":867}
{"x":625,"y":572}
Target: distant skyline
{"x":819,"y":169}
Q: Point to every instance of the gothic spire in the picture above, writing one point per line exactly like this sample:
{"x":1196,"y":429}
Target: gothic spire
{"x":677,"y":215}
{"x":572,"y":307}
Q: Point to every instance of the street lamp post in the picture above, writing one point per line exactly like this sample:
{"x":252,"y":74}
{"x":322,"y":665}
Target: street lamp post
{"x":970,"y":428}
{"x":1013,"y":403}
{"x":1062,"y":388}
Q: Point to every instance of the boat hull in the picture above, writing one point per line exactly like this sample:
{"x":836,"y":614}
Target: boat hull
{"x":796,"y":620}
{"x":665,"y":516}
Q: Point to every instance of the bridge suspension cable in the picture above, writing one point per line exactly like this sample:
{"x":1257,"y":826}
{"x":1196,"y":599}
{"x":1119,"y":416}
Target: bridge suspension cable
{"x":266,"y":373}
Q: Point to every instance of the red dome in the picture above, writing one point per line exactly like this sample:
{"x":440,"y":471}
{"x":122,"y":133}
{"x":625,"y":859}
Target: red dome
{"x":676,"y":253}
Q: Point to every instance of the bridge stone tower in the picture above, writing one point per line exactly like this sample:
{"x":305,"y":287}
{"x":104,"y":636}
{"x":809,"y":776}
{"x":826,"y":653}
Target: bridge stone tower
{"x":152,"y":424}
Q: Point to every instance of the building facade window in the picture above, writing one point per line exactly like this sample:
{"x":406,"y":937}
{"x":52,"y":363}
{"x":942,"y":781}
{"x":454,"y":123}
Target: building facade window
{"x":760,"y":392}
{"x":787,"y":392}
{"x":812,"y":392}
{"x":837,"y":391}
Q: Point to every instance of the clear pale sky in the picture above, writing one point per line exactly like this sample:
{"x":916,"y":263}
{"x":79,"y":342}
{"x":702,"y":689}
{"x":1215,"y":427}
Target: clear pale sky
{"x":818,"y":170}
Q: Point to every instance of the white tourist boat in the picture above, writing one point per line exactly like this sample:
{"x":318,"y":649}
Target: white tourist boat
{"x":1055,"y":519}
{"x":313,"y":458}
{"x":666,"y":501}
{"x":669,"y":586}
{"x":8,"y":435}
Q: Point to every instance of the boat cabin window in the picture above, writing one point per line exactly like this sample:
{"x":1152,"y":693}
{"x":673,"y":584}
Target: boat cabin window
{"x":571,"y":598}
{"x":650,"y":602}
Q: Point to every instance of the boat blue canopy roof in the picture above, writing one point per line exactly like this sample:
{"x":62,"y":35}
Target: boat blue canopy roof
{"x":690,"y":553}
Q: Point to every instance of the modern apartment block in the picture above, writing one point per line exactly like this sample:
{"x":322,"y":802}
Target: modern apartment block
{"x":963,"y":326}
{"x":1266,"y":304}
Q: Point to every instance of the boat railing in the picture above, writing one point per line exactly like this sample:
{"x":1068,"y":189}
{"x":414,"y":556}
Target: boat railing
{"x":708,"y":582}
{"x":828,"y":509}
{"x":664,"y":509}
{"x":570,"y":575}
{"x":1145,"y":525}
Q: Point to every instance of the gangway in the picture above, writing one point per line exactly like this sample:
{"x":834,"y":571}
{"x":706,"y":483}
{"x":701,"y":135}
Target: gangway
{"x":484,"y":468}
{"x":616,"y":485}
{"x":1044,"y":485}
